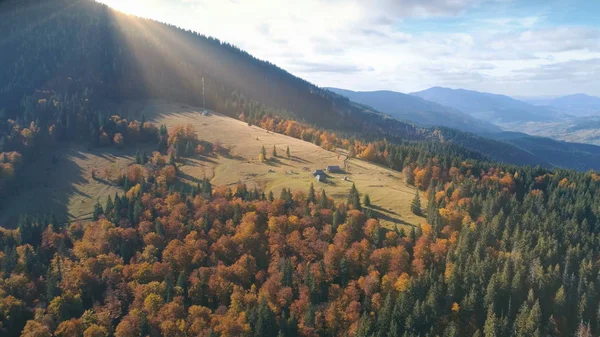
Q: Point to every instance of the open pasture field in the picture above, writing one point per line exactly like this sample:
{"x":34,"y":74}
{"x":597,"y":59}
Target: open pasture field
{"x":67,"y":187}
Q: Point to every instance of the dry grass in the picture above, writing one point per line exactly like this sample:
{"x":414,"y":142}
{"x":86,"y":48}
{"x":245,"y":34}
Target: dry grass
{"x":66,"y":186}
{"x":389,"y":193}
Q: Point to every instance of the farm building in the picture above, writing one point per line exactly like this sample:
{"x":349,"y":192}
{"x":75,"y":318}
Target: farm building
{"x":320,"y":178}
{"x":319,"y":172}
{"x":333,"y":169}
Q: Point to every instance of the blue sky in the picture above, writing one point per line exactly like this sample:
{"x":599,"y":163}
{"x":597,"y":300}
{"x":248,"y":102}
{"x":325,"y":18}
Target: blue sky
{"x":519,"y":48}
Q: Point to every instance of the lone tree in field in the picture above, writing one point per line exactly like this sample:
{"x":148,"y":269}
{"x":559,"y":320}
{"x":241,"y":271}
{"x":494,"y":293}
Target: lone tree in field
{"x":287,"y":152}
{"x":354,"y":198}
{"x":415,"y":206}
{"x":367,"y":200}
{"x":263,"y":154}
{"x":274,"y":151}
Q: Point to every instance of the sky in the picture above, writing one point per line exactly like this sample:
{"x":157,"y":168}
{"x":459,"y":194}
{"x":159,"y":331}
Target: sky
{"x":524,"y":48}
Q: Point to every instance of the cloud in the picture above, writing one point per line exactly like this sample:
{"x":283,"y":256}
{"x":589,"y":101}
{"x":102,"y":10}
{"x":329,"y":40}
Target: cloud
{"x":576,"y":70}
{"x":316,"y":67}
{"x":555,"y":39}
{"x":385,"y":10}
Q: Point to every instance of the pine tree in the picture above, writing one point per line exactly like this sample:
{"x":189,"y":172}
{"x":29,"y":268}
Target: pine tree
{"x":274,"y":154}
{"x":108,"y":209}
{"x":415,"y":206}
{"x":138,"y":157}
{"x":367,"y":201}
{"x":271,"y":196}
{"x":311,"y":194}
{"x":287,"y":152}
{"x":266,"y":324}
{"x":490,"y":328}
{"x":10,"y":260}
{"x":354,"y":198}
{"x":52,"y":289}
{"x":98,"y":211}
{"x":181,"y":283}
{"x":323,"y":201}
{"x":168,"y":295}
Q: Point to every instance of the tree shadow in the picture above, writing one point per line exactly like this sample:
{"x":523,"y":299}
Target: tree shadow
{"x":381,"y":209}
{"x":383,"y":216}
{"x":188,"y":177}
{"x":47,"y":184}
{"x":299,"y":160}
{"x":233,"y":157}
{"x":276,"y":162}
{"x":44,"y":187}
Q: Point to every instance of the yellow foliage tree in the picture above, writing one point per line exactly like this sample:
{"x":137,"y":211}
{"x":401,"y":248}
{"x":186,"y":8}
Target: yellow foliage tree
{"x":402,"y":283}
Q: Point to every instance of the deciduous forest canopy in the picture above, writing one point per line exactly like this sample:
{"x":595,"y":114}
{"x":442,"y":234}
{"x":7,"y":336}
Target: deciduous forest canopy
{"x":503,"y":250}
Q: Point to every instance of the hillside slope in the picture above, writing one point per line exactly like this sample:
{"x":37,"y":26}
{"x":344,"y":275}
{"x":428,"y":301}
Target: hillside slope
{"x":417,"y":110}
{"x":67,"y":186}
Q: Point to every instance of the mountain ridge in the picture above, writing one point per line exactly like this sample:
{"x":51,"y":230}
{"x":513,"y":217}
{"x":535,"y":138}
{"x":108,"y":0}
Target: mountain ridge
{"x":417,"y":110}
{"x":486,"y":106}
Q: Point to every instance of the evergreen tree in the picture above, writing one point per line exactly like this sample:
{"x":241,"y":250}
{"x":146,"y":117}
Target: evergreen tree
{"x":98,"y":211}
{"x":9,"y":261}
{"x":266,"y":325}
{"x":168,"y":295}
{"x":109,"y":209}
{"x":274,"y":153}
{"x":263,"y":154}
{"x":354,"y":198}
{"x":181,"y":282}
{"x":415,"y":206}
{"x":490,"y":327}
{"x":367,"y":201}
{"x":287,"y":152}
{"x":311,"y":194}
{"x":323,"y":200}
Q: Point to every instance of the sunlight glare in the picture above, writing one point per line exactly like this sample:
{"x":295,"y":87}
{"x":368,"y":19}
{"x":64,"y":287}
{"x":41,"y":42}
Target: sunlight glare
{"x":126,"y":6}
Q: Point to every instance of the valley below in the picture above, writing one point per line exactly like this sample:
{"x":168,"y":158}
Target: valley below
{"x":578,"y":130}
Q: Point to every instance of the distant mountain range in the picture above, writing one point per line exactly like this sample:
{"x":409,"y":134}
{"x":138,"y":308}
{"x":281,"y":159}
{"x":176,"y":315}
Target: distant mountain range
{"x":489,"y":107}
{"x":417,"y":110}
{"x":579,"y":105}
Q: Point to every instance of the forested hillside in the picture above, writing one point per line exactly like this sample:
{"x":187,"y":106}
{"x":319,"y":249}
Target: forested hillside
{"x":506,"y":251}
{"x":67,"y":46}
{"x":59,"y":49}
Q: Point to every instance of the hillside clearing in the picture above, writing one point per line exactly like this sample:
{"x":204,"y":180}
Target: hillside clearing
{"x":67,"y":186}
{"x":388,"y":191}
